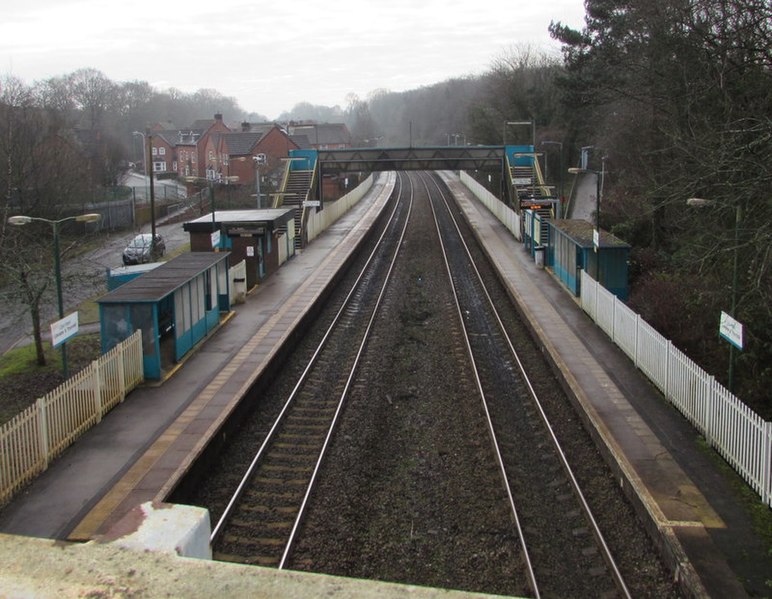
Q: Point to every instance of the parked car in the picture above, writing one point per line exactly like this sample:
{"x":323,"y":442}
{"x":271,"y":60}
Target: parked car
{"x":141,"y":249}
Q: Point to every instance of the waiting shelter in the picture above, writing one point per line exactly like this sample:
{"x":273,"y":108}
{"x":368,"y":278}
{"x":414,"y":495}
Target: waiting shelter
{"x":571,"y":249}
{"x":175,"y":305}
{"x":264,"y":238}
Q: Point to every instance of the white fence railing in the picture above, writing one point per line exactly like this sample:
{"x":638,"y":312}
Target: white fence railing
{"x":322,"y":219}
{"x":508,"y":217}
{"x":33,"y":438}
{"x":740,"y":435}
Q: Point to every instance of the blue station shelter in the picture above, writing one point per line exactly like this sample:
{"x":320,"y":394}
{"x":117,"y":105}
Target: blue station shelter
{"x":571,"y":250}
{"x":175,"y":305}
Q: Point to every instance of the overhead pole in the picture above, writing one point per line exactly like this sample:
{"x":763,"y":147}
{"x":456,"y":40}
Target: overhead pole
{"x":149,"y":140}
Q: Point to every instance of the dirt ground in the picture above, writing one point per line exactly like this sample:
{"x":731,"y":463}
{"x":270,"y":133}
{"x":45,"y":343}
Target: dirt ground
{"x":19,"y":391}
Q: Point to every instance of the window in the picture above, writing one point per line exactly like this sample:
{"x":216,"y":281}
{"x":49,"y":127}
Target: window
{"x":162,"y":151}
{"x":211,"y":154}
{"x":159,"y":166}
{"x":155,"y":151}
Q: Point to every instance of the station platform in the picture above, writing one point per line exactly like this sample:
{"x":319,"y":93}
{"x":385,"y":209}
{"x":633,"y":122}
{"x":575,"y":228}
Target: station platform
{"x":145,"y":445}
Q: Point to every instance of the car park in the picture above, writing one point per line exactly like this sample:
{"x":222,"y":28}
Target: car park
{"x":143,"y":249}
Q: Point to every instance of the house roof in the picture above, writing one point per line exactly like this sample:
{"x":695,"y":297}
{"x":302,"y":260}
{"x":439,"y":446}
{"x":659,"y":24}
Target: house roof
{"x":301,"y":141}
{"x":324,"y":133}
{"x":160,"y":282}
{"x":242,"y":142}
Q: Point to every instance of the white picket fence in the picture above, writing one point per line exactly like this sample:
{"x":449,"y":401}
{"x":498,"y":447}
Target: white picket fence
{"x":36,"y":436}
{"x":740,"y":435}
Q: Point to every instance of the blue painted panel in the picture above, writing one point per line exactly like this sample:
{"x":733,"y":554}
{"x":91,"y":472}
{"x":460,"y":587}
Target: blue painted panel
{"x":212,"y":319}
{"x":183,"y":345}
{"x":199,"y":330}
{"x":307,"y":163}
{"x":520,"y":160}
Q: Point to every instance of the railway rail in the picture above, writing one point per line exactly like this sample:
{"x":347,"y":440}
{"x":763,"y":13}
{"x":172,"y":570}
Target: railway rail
{"x":261,"y":519}
{"x":517,"y":424}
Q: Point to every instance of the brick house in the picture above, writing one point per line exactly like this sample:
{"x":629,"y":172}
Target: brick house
{"x":323,"y":136}
{"x":231,"y":156}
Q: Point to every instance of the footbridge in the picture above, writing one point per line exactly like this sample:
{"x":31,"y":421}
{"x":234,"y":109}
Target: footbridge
{"x":522,"y":185}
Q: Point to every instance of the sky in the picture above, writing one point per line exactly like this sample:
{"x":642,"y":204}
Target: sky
{"x":271,"y":55}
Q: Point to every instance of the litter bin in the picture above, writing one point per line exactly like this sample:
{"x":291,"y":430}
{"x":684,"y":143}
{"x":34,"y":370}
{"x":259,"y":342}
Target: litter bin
{"x":538,"y":255}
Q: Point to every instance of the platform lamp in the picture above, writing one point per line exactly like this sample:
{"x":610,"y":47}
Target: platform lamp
{"x":81,"y":218}
{"x":147,"y":141}
{"x":531,"y":124}
{"x":560,"y":157}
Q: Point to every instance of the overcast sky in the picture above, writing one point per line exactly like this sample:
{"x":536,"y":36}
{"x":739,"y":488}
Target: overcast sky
{"x":272,"y":55}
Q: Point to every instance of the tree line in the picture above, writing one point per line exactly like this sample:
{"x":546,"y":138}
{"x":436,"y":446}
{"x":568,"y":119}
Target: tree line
{"x":672,"y":95}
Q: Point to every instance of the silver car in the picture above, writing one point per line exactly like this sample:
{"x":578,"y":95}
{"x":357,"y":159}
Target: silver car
{"x":142,"y":249}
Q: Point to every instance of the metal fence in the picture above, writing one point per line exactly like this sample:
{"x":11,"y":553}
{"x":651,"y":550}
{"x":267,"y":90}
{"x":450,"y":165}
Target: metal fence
{"x":37,"y":435}
{"x":740,"y":435}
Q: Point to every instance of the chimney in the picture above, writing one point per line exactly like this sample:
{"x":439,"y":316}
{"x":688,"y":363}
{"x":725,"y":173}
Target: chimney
{"x":245,"y":127}
{"x":218,"y":116}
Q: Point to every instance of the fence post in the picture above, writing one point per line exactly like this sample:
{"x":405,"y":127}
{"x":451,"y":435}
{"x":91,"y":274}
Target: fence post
{"x":668,"y":352}
{"x":709,"y":416}
{"x":97,"y":390}
{"x":767,"y":463}
{"x":637,"y":328}
{"x":122,"y":374}
{"x":43,"y":430}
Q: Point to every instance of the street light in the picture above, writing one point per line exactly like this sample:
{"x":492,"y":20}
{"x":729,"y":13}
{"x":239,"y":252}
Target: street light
{"x":147,"y":141}
{"x":738,"y":216}
{"x":81,"y":218}
{"x":259,"y":160}
{"x":532,"y":124}
{"x":560,"y":156}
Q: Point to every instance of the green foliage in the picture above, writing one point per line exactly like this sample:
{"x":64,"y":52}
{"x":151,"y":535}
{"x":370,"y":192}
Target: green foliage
{"x":680,"y":97}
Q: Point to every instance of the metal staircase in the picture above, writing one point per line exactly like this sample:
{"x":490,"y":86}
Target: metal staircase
{"x":297,"y":184}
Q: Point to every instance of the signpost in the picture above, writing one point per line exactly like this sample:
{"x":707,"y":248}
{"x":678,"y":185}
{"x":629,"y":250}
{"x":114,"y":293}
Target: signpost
{"x":731,"y":330}
{"x":64,"y":329}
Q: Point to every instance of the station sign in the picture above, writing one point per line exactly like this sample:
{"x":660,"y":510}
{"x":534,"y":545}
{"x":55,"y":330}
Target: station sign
{"x":63,"y":329}
{"x":731,"y":330}
{"x":311,"y":204}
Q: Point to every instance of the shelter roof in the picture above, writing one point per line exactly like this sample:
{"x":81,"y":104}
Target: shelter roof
{"x":581,"y":232}
{"x":269,"y":217}
{"x":160,"y":282}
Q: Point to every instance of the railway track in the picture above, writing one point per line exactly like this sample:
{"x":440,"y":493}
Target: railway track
{"x":556,"y":527}
{"x":407,"y":485}
{"x":259,"y":523}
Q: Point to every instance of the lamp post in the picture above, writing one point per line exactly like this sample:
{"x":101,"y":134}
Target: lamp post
{"x":147,"y":142}
{"x":532,"y":124}
{"x":599,"y":188}
{"x":738,"y":216}
{"x":82,"y":218}
{"x":560,"y":156}
{"x":259,"y":160}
